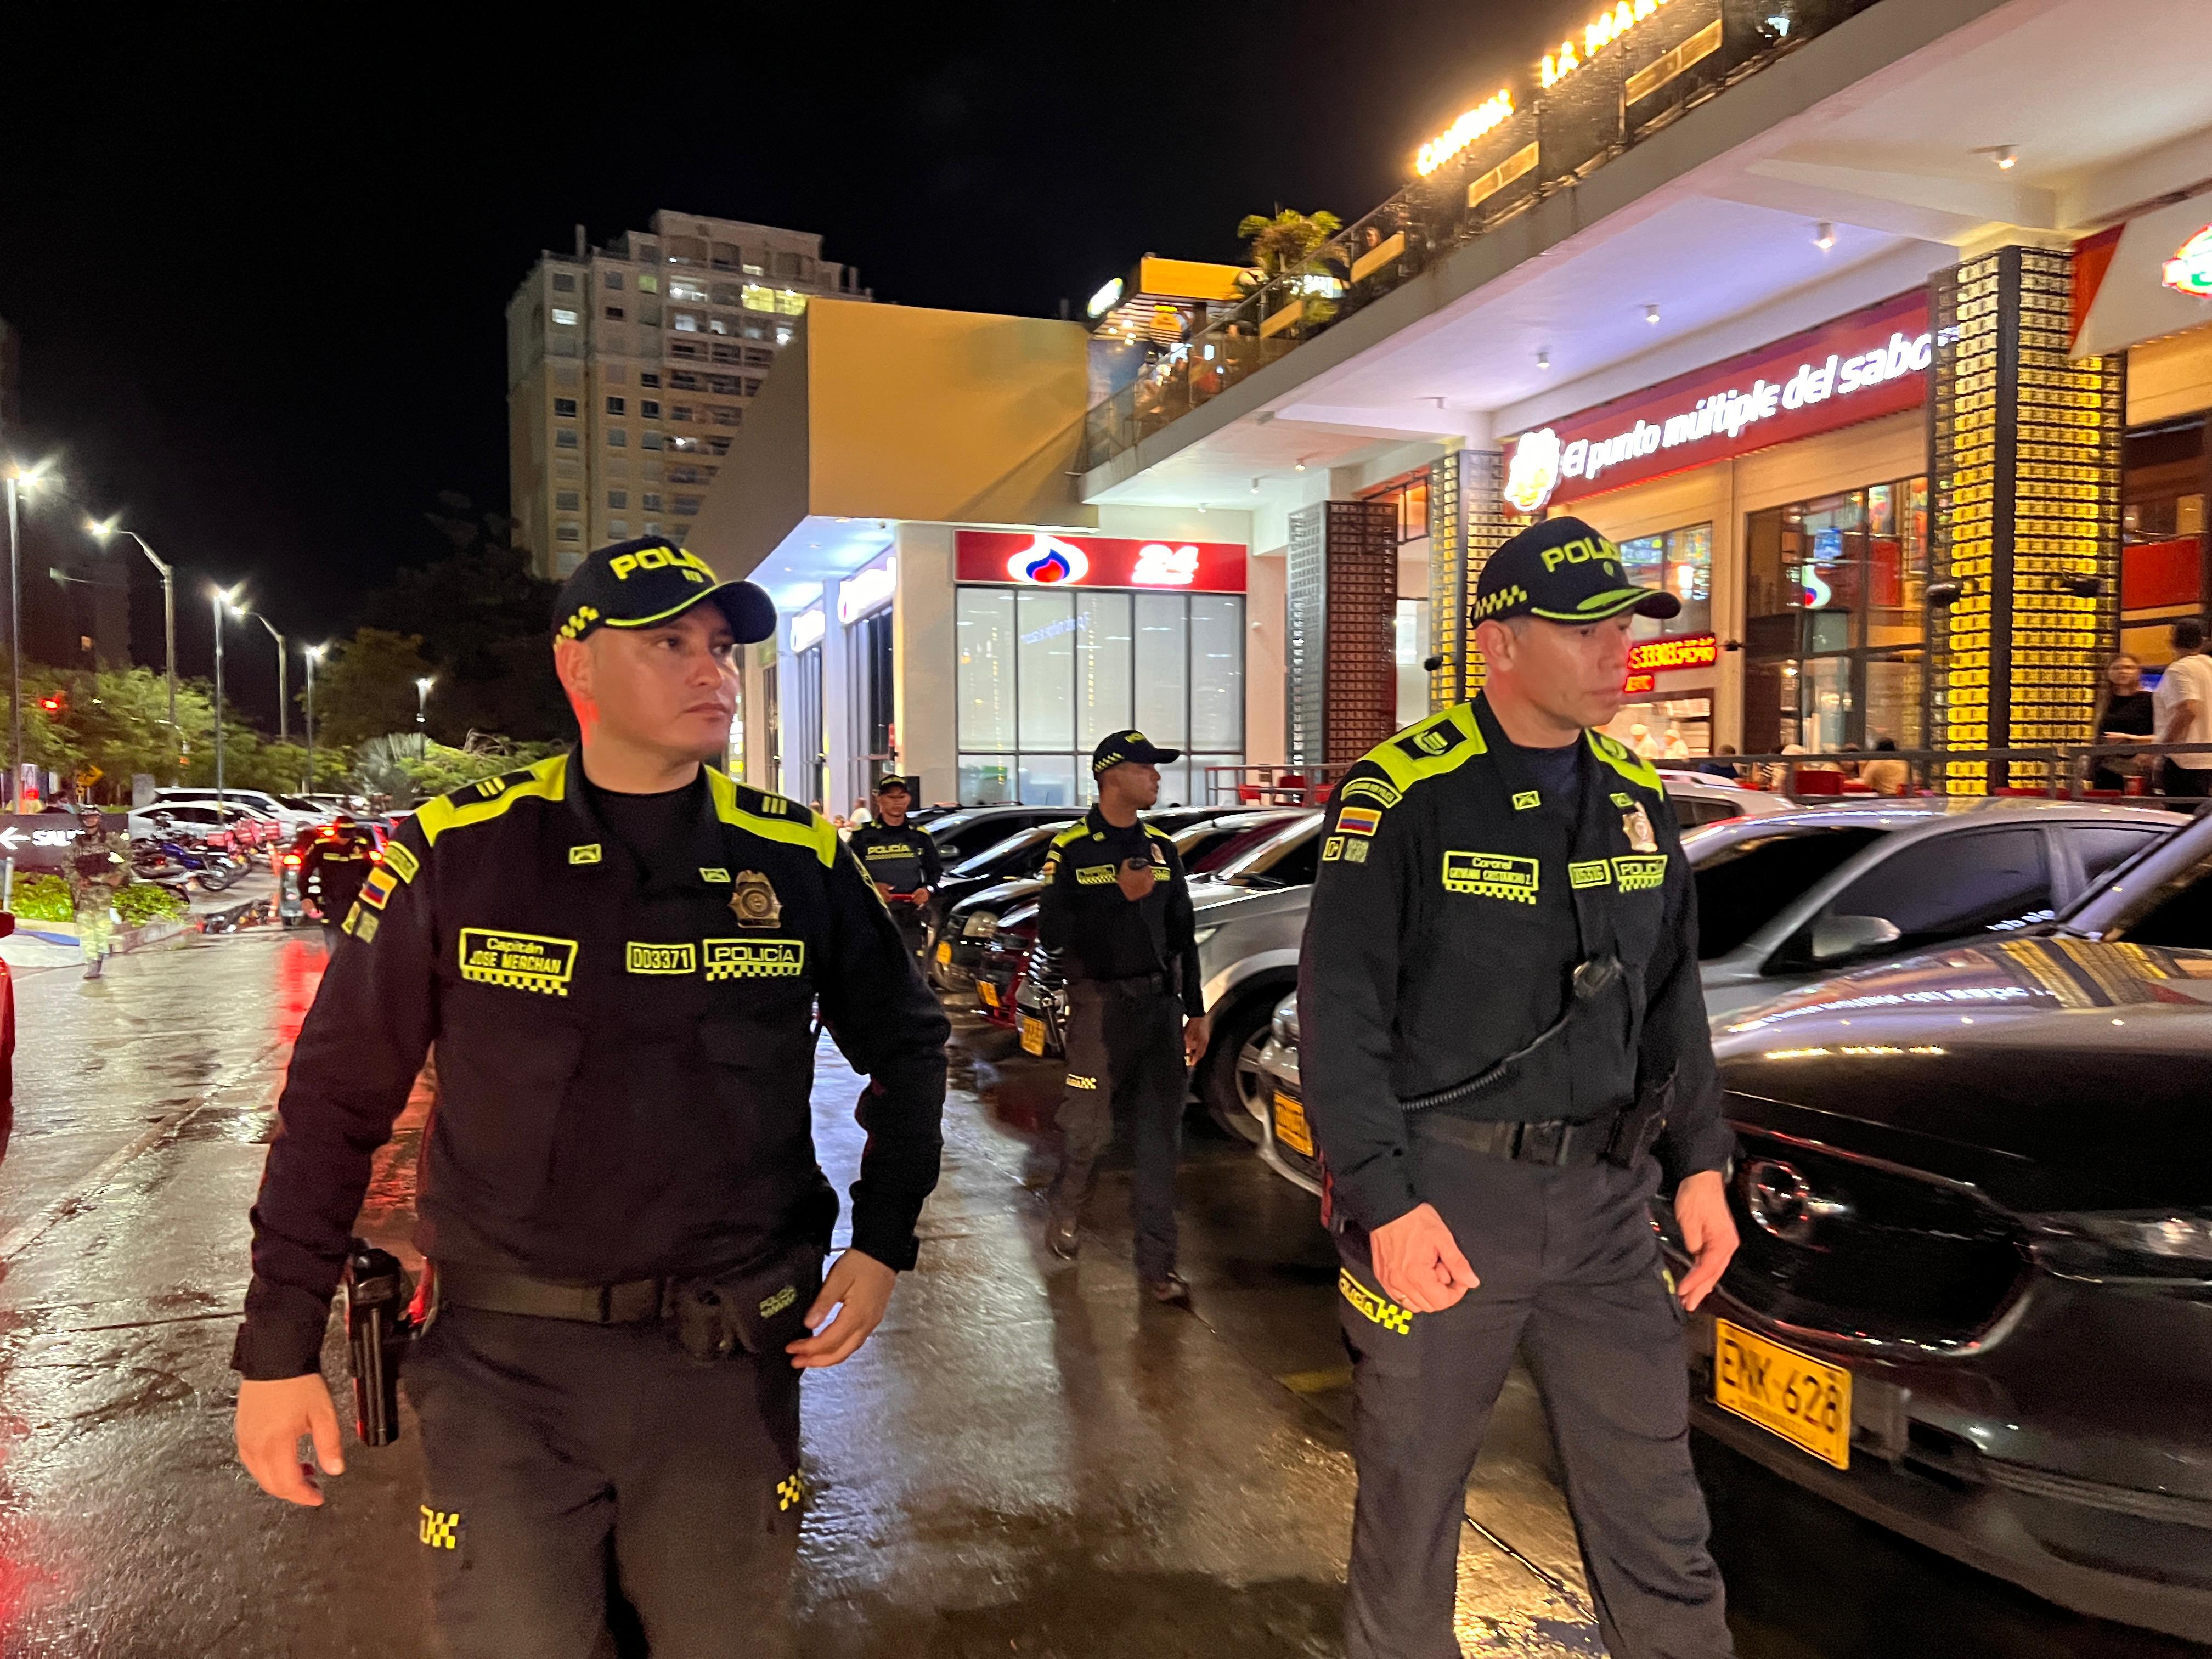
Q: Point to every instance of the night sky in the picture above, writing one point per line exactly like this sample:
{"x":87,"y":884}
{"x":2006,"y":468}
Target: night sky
{"x":261,"y":265}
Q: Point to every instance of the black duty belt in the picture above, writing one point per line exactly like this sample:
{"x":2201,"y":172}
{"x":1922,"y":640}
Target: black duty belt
{"x":495,"y":1291}
{"x":1620,"y":1138}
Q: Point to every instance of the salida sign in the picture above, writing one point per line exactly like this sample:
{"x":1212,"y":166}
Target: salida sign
{"x":1858,"y":369}
{"x":1035,"y":559}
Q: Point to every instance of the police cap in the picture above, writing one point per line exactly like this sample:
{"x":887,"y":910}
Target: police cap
{"x":640,"y":583}
{"x":1120,"y":746}
{"x":891,"y":781}
{"x":1563,"y":571}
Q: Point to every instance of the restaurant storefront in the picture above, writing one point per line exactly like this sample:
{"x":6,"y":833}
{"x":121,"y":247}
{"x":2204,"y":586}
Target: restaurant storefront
{"x":1783,"y":496}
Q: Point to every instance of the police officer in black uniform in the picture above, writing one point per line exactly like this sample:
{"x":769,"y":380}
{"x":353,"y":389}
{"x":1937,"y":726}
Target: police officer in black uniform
{"x":337,"y":861}
{"x":1116,"y":908}
{"x":617,"y":953}
{"x":901,"y":859}
{"x":1500,"y":1025}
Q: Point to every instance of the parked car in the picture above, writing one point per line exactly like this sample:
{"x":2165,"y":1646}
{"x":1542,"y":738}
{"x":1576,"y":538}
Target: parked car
{"x":1789,"y":899}
{"x":1251,"y":911}
{"x":968,"y":831}
{"x":1973,"y":1299}
{"x":1203,"y":836}
{"x":1795,"y":897}
{"x":1004,"y":961}
{"x":292,"y":817}
{"x":234,"y":827}
{"x":1699,"y":798}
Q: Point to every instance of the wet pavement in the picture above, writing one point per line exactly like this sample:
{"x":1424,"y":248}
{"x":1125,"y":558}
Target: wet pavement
{"x":1024,"y":1460}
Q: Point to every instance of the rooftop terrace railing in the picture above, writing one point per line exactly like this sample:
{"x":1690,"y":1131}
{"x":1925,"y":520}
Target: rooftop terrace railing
{"x":1657,"y":59}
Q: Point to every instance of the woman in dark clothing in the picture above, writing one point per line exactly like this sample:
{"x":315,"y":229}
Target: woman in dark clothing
{"x":2124,"y":715}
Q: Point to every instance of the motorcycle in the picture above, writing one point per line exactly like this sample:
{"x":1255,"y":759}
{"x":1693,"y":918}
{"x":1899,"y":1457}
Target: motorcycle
{"x":171,"y":861}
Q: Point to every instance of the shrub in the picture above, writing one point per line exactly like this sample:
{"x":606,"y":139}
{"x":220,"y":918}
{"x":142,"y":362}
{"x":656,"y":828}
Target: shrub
{"x":43,"y":898}
{"x":143,"y":901}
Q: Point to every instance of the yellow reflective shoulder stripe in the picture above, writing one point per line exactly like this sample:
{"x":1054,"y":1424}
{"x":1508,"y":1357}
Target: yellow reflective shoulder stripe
{"x":543,"y":781}
{"x":1626,"y":761}
{"x":1074,"y":831}
{"x":802,"y":829}
{"x":1452,"y":738}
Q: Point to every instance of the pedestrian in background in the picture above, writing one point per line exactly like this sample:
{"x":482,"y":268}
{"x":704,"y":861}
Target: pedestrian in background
{"x":1886,"y":775}
{"x":1116,"y":907}
{"x":99,"y":864}
{"x":1720,"y":767}
{"x":1501,"y":1025}
{"x":2183,"y":707}
{"x":901,"y":859}
{"x":2124,"y":715}
{"x":337,"y":861}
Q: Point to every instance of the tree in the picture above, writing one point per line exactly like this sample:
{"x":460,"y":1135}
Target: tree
{"x":1288,"y":245}
{"x":366,"y":688}
{"x":120,"y":719}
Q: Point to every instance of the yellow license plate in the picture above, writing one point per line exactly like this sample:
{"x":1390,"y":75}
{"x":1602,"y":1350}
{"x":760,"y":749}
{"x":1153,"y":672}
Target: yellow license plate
{"x":945,"y":951}
{"x":1805,"y":1401}
{"x":988,"y":992}
{"x":1290,"y":1126}
{"x":1032,"y":1035}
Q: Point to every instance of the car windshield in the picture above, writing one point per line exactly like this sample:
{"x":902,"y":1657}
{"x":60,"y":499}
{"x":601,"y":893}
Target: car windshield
{"x":2177,"y":911}
{"x":1288,"y":858}
{"x":1745,"y":885}
{"x":1206,"y":848}
{"x":985,"y":862}
{"x":298,"y":803}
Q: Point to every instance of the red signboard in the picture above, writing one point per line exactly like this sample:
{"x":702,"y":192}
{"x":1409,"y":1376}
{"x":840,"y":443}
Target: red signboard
{"x":2155,"y":575}
{"x":1664,"y":656}
{"x":1859,"y":367}
{"x":1036,"y":559}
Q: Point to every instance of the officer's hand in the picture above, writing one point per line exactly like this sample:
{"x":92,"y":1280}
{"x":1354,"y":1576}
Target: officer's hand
{"x":1419,"y":1261}
{"x":863,"y":1286}
{"x":1197,"y":1032}
{"x":919,"y":897}
{"x":272,"y":1417}
{"x":1709,"y":1231}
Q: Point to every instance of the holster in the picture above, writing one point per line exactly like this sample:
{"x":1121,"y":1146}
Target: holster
{"x":760,"y":1309}
{"x":1636,"y":1130}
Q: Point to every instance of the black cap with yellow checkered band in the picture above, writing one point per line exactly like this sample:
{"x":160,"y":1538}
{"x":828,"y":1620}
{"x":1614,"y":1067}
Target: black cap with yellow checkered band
{"x":638,"y":584}
{"x":1563,"y":571}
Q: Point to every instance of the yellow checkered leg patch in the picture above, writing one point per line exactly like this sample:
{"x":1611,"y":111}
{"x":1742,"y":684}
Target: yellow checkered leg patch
{"x":1373,"y":1306}
{"x":440,"y":1529}
{"x":790,"y":1491}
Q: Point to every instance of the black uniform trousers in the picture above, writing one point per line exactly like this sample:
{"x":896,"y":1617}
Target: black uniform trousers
{"x":913,"y":921}
{"x":565,"y":1459}
{"x":1124,"y":1048}
{"x":1571,"y":1276}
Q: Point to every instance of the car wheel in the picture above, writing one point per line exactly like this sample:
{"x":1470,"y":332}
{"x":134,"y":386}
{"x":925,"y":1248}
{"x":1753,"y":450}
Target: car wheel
{"x":1230,"y":1080}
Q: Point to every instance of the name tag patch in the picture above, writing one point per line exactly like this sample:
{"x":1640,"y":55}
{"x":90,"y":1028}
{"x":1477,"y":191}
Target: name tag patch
{"x":1094,"y":875}
{"x":521,"y":962}
{"x":644,"y":959}
{"x":1638,"y":874}
{"x":755,"y":958}
{"x":1590,"y":873}
{"x":1491,"y":875}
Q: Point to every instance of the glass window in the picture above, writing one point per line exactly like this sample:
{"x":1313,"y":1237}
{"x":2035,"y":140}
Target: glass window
{"x":617,"y":499}
{"x":984,"y":627}
{"x":987,"y":780}
{"x":569,"y":532}
{"x":1102,"y":665}
{"x":2102,"y":850}
{"x":1045,"y":661}
{"x":1217,"y":671}
{"x":648,"y":281}
{"x":650,"y":407}
{"x":615,"y":405}
{"x":614,"y":313}
{"x":1951,"y":885}
{"x":757,"y":296}
{"x":648,"y":377}
{"x":650,"y":501}
{"x":650,"y":439}
{"x":564,"y":283}
{"x":1163,"y":657}
{"x":1680,"y":562}
{"x":567,"y":501}
{"x":565,"y":407}
{"x":565,"y":438}
{"x":617,"y":438}
{"x":611,"y":278}
{"x":618,"y":528}
{"x":564,"y":318}
{"x":1049,"y":780}
{"x":1741,"y":889}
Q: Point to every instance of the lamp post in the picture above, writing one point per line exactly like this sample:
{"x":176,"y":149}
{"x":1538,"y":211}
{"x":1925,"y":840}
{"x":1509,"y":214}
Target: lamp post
{"x":222,"y":600}
{"x":422,"y":700}
{"x":19,"y":479}
{"x":284,"y":698}
{"x":313,"y":655}
{"x":102,"y":532}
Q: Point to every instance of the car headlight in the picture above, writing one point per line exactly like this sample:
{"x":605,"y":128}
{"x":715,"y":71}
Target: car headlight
{"x":982,"y":925}
{"x":2144,"y":1245}
{"x":1284,"y":1026}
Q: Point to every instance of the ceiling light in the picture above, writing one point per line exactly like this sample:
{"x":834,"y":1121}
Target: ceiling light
{"x":1255,"y":486}
{"x":1824,"y":236}
{"x":1544,"y":357}
{"x":1201,"y":507}
{"x":2005,"y":155}
{"x":1652,"y":315}
{"x":1301,"y":465}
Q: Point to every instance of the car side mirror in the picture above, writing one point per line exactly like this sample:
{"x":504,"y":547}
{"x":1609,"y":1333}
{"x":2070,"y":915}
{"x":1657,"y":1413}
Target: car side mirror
{"x":1835,"y":937}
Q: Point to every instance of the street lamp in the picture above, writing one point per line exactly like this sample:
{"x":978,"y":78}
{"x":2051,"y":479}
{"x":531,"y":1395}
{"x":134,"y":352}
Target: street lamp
{"x":421,"y":698}
{"x":313,"y":655}
{"x":101,"y":532}
{"x":20,"y":478}
{"x":284,"y":698}
{"x":222,"y":599}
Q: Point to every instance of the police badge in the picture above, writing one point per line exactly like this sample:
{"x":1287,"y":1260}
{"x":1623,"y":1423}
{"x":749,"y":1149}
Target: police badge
{"x":1636,"y":824}
{"x":753,"y":901}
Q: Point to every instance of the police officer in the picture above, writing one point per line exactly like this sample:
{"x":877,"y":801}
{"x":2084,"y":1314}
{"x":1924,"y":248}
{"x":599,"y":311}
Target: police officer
{"x":1116,"y":907}
{"x":337,"y":861}
{"x":1500,"y":1024}
{"x":617,"y":952}
{"x":99,"y":864}
{"x":901,"y":859}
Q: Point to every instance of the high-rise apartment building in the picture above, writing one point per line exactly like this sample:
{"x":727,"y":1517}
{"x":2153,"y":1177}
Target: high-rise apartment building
{"x":630,"y":368}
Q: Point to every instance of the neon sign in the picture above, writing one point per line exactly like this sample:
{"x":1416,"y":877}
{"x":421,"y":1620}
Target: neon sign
{"x":807,"y":629}
{"x":2190,"y":271}
{"x":1534,"y":472}
{"x":1048,"y":559}
{"x":1159,"y":565}
{"x":864,"y":590}
{"x":1487,"y":116}
{"x":1605,"y":29}
{"x":1684,"y":651}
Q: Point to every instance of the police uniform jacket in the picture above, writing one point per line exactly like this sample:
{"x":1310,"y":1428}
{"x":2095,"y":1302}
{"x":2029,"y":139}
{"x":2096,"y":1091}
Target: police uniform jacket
{"x":1448,"y":915}
{"x":901,"y":859}
{"x":1101,"y":935}
{"x":624,"y":1052}
{"x":337,"y":863}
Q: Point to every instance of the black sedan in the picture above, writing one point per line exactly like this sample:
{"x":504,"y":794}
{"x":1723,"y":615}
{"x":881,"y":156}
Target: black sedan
{"x":1973,"y":1300}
